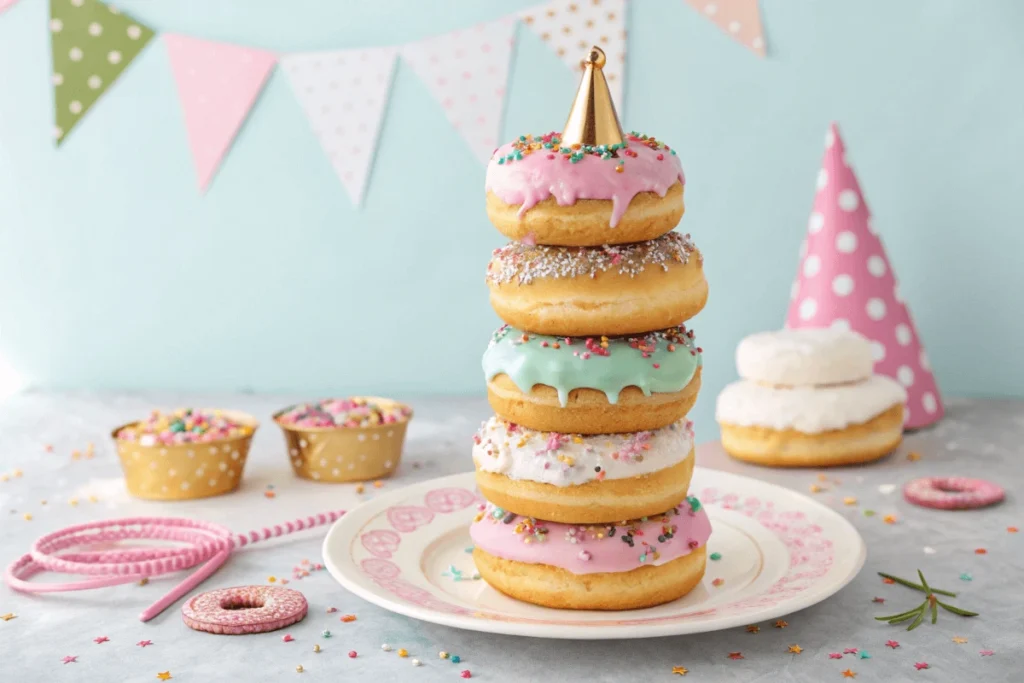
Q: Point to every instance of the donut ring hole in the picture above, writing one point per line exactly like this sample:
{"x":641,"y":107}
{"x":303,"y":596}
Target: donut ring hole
{"x":236,"y":602}
{"x":947,"y":486}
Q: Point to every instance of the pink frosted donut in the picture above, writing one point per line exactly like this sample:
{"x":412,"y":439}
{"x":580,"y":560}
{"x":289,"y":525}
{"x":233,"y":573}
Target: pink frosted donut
{"x":244,"y":609}
{"x":952,"y":493}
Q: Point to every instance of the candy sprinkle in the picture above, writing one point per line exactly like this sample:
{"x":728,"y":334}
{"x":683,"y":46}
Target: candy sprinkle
{"x":385,"y":647}
{"x":183,"y":426}
{"x":403,"y":652}
{"x":465,"y":673}
{"x":715,"y":557}
{"x":348,"y":618}
{"x":680,"y":670}
{"x":781,"y":624}
{"x":352,"y":654}
{"x":795,"y":649}
{"x":442,"y":654}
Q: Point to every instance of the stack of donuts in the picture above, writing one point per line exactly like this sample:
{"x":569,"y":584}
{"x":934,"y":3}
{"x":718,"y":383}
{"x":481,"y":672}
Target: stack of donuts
{"x":809,"y":398}
{"x":586,"y":463}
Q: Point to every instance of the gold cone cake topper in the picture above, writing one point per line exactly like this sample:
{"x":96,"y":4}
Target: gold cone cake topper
{"x":593,"y":120}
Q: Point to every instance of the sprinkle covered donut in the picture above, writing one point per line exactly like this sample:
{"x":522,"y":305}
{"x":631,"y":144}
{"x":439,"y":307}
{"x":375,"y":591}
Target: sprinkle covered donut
{"x":953,"y":493}
{"x":541,"y":189}
{"x":244,"y":609}
{"x":610,"y":290}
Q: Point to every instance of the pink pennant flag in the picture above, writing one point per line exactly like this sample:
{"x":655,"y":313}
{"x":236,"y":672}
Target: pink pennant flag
{"x":845,"y":280}
{"x":218,"y":84}
{"x":739,"y":19}
{"x":571,"y":27}
{"x":466,"y":71}
{"x":6,"y":4}
{"x":344,"y":94}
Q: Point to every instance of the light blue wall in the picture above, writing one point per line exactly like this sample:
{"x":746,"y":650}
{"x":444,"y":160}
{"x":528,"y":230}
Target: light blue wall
{"x":115,"y":272}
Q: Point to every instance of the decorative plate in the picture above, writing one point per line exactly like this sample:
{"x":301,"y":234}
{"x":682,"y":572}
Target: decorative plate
{"x":780,"y":552}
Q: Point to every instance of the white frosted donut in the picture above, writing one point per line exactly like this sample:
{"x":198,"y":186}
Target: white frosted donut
{"x":804,"y":357}
{"x":810,"y":410}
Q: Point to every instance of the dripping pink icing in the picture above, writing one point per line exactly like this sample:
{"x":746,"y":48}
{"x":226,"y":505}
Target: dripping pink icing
{"x":546,"y":173}
{"x":589,"y":554}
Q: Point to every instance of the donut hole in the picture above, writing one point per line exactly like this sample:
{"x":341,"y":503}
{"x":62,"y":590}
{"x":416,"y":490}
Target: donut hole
{"x":946,"y":486}
{"x":236,"y":602}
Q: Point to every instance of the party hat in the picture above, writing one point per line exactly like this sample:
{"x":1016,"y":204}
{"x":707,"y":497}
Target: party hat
{"x":593,"y":120}
{"x":845,"y":280}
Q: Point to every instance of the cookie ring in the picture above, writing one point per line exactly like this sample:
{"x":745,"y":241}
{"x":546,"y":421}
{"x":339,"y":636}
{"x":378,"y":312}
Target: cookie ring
{"x":952,"y":493}
{"x":244,"y":609}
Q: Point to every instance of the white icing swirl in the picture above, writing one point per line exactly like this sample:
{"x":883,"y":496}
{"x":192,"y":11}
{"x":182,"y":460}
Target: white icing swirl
{"x":804,"y":357}
{"x":573,"y":459}
{"x":810,"y":410}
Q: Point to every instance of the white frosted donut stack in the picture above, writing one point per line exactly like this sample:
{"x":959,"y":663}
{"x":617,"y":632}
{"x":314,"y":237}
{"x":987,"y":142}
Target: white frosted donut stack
{"x":809,"y":397}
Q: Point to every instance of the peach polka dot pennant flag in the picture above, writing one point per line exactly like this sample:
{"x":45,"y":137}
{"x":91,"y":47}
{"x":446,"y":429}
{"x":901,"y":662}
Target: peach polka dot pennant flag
{"x":92,"y":44}
{"x":344,"y":94}
{"x":738,"y":19}
{"x":845,"y":280}
{"x":571,"y":27}
{"x":466,"y":71}
{"x":218,"y":84}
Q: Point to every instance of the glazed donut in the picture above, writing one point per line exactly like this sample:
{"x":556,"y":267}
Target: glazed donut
{"x":244,"y":609}
{"x":811,"y":426}
{"x":584,"y":195}
{"x":952,"y":493}
{"x":628,"y":565}
{"x":597,"y":385}
{"x":612,"y":290}
{"x":575,"y":478}
{"x":805,"y":357}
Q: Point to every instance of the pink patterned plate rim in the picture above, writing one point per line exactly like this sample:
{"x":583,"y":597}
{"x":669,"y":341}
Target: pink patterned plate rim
{"x":779,"y":552}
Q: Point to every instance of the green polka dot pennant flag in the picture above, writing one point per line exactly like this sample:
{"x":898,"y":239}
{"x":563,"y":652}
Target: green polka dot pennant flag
{"x":92,"y":44}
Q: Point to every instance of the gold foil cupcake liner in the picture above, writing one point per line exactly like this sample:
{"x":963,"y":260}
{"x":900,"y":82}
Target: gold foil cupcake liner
{"x":185,"y":471}
{"x":343,"y":454}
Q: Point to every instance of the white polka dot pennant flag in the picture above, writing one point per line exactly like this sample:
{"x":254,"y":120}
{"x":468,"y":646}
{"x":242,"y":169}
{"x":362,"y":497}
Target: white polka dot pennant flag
{"x":572,"y":27}
{"x":466,"y":71}
{"x":845,"y":280}
{"x":344,"y":94}
{"x":218,"y":84}
{"x":738,"y":19}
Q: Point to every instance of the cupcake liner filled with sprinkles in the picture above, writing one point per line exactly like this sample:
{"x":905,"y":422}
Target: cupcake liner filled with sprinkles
{"x":184,"y":454}
{"x":345,"y":439}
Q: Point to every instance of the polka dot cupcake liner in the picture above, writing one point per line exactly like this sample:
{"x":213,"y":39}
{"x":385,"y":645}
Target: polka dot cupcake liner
{"x":344,"y":454}
{"x":185,"y":471}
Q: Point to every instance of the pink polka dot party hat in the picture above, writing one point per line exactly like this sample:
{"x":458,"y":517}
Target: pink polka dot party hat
{"x":845,"y":280}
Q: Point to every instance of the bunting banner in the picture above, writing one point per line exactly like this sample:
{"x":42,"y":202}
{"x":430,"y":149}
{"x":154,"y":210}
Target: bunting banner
{"x":738,"y":19}
{"x":92,"y":44}
{"x":218,"y":84}
{"x":571,"y":27}
{"x":466,"y":71}
{"x":344,"y":94}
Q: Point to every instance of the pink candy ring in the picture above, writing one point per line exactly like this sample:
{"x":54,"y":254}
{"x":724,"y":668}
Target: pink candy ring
{"x":952,"y":493}
{"x":245,"y":609}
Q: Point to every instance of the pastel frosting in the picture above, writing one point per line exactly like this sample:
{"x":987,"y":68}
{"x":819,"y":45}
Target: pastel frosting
{"x":573,"y":459}
{"x":809,"y":356}
{"x":658,"y":362}
{"x":527,"y":171}
{"x":810,"y":410}
{"x":593,"y":548}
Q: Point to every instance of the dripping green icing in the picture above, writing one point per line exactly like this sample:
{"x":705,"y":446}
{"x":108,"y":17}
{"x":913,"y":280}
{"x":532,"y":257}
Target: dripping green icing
{"x":530,"y":359}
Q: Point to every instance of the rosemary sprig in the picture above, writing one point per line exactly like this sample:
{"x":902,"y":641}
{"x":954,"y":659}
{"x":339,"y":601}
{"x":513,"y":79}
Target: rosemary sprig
{"x":930,"y":603}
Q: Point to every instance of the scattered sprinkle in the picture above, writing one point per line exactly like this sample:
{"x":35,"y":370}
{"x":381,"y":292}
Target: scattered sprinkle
{"x":287,"y":638}
{"x":835,"y":655}
{"x":869,"y":513}
{"x":928,"y":550}
{"x":456,"y":659}
{"x":717,"y":582}
{"x":442,"y":654}
{"x":736,"y":655}
{"x":892,"y":643}
{"x":795,"y":649}
{"x":271,"y":579}
{"x":880,"y":601}
{"x":299,"y":669}
{"x":863,"y":654}
{"x":143,"y":581}
{"x":889,"y":519}
{"x":27,"y":516}
{"x":1012,"y":529}
{"x":753,"y":628}
{"x":360,"y":488}
{"x":70,"y":659}
{"x":986,"y":653}
{"x":850,"y":651}
{"x":913,"y":456}
{"x":164,"y":676}
{"x":332,"y":610}
{"x":416,"y":662}
{"x":959,"y":640}
{"x":816,"y":489}
{"x":403,"y":652}
{"x":921,"y":665}
{"x":680,"y":670}
{"x":352,"y":654}
{"x":348,"y":618}
{"x":465,"y":673}
{"x":781,"y":624}
{"x":377,"y":484}
{"x":966,"y":576}
{"x":888,"y":580}
{"x":849,"y":500}
{"x":980,"y":551}
{"x":100,"y":640}
{"x":385,"y":647}
{"x":8,"y":616}
{"x":849,"y":674}
{"x":715,"y":557}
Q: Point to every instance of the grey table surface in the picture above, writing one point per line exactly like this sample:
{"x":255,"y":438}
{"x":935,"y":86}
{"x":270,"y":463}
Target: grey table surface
{"x":977,"y":438}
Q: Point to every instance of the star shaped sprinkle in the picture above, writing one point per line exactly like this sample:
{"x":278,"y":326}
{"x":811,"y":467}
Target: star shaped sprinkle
{"x":913,"y":456}
{"x":892,"y":643}
{"x":849,"y":674}
{"x":850,"y":651}
{"x":959,"y":640}
{"x":795,"y":649}
{"x":144,"y":643}
{"x":816,"y":489}
{"x":849,"y":500}
{"x":888,"y":581}
{"x":681,"y":670}
{"x":880,"y":601}
{"x":966,"y":576}
{"x":348,"y":618}
{"x":735,"y":655}
{"x":986,"y":653}
{"x":8,"y":616}
{"x":101,"y":640}
{"x":889,"y":519}
{"x":753,"y":628}
{"x":1012,"y":529}
{"x":835,"y":655}
{"x":70,"y":659}
{"x":781,"y":624}
{"x":164,"y":675}
{"x":921,"y":665}
{"x":863,"y":654}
